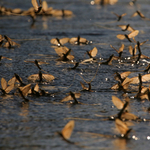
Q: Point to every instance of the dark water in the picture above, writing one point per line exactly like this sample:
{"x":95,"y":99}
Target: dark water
{"x":35,"y":125}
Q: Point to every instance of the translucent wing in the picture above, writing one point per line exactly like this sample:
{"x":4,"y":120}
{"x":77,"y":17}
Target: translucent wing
{"x":33,"y":77}
{"x":25,"y":89}
{"x":84,"y":87}
{"x":133,"y":33}
{"x":125,"y":74}
{"x":9,"y":88}
{"x":69,"y":97}
{"x":12,"y":81}
{"x":117,"y":102}
{"x":73,"y":40}
{"x":44,"y":6}
{"x":93,"y":52}
{"x":67,"y":130}
{"x":61,"y":50}
{"x":35,"y":5}
{"x":3,"y":83}
{"x":121,"y":48}
{"x":121,"y":36}
{"x":64,"y":40}
{"x":121,"y":126}
{"x":48,"y":77}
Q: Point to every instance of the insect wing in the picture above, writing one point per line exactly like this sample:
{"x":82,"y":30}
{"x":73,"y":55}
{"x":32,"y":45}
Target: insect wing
{"x":25,"y":89}
{"x":67,"y":130}
{"x":121,"y":126}
{"x":35,"y":5}
{"x":133,"y":33}
{"x":48,"y":77}
{"x":121,"y":36}
{"x":117,"y":102}
{"x":9,"y":88}
{"x":64,"y":40}
{"x":3,"y":83}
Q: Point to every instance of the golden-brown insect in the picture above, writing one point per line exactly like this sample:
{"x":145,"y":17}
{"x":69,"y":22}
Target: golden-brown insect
{"x":59,"y":42}
{"x":119,"y":16}
{"x":92,"y":53}
{"x":6,"y":89}
{"x":70,"y":97}
{"x":67,"y":131}
{"x":126,"y":27}
{"x":41,"y":77}
{"x":37,"y":8}
{"x":78,"y":40}
{"x":122,"y":127}
{"x":129,"y":36}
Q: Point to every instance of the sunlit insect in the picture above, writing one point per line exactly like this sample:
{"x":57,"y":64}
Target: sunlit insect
{"x":109,"y":61}
{"x":122,"y":128}
{"x":92,"y":53}
{"x":121,"y":77}
{"x":6,"y":89}
{"x":120,"y":51}
{"x":24,"y":92}
{"x":129,"y":36}
{"x":138,"y":13}
{"x":71,"y":96}
{"x":75,"y":66}
{"x":122,"y":85}
{"x":10,"y":43}
{"x":123,"y":114}
{"x":67,"y":131}
{"x":3,"y":57}
{"x":59,"y":42}
{"x":25,"y":89}
{"x":64,"y":56}
{"x":1,"y":40}
{"x":41,"y":77}
{"x":78,"y":40}
{"x":37,"y":8}
{"x":126,"y":27}
{"x":119,"y":16}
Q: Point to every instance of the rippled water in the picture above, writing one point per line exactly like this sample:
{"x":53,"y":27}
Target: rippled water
{"x":34,"y":126}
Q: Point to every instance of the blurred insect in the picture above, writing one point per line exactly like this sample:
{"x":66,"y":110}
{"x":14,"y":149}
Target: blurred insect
{"x":103,"y":2}
{"x":65,"y":56}
{"x":5,"y":89}
{"x":129,"y":36}
{"x":10,"y":43}
{"x":122,"y":128}
{"x":37,"y":8}
{"x":67,"y":131}
{"x":119,"y":16}
{"x":72,"y":96}
{"x":138,"y":13}
{"x":3,"y":57}
{"x":59,"y":42}
{"x":120,"y":51}
{"x":133,"y":2}
{"x":126,"y":27}
{"x":61,"y":13}
{"x":78,"y":40}
{"x":109,"y":61}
